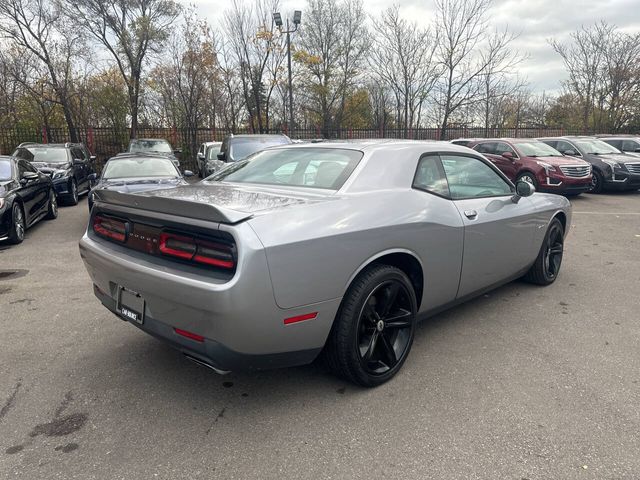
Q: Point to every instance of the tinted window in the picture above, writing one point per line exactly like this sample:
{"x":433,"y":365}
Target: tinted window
{"x":563,"y":146}
{"x":615,"y":143}
{"x":630,"y":146}
{"x":24,"y":154}
{"x":301,"y":167}
{"x":470,"y":177}
{"x":5,"y":169}
{"x":22,"y":167}
{"x":488,"y":147}
{"x":139,"y":167}
{"x":430,"y":176}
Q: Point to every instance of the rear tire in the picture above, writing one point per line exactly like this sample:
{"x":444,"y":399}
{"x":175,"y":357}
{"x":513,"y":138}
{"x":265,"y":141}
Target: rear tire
{"x":374,"y":328}
{"x":547,"y":265}
{"x":18,"y":224}
{"x":52,"y":211}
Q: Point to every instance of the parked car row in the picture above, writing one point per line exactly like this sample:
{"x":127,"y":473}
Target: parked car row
{"x":567,"y":165}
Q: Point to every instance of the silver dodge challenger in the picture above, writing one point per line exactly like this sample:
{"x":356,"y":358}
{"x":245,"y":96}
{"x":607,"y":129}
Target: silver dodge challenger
{"x":335,"y":249}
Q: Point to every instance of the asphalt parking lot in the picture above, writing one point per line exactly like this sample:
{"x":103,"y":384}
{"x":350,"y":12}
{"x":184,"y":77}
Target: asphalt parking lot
{"x":523,"y":383}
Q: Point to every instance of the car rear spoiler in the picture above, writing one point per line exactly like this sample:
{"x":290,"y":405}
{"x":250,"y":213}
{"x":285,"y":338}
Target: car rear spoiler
{"x":172,"y":206}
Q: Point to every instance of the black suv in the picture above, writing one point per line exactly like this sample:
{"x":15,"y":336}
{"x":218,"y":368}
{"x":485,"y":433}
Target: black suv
{"x":69,"y":165}
{"x":238,"y":147}
{"x":629,"y":144}
{"x":611,"y":169}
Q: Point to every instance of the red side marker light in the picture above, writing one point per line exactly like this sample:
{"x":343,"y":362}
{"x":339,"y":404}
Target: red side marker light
{"x":189,"y":335}
{"x":300,"y":318}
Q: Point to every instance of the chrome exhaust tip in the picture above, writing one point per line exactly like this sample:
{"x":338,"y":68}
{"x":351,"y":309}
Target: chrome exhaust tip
{"x":205,"y":364}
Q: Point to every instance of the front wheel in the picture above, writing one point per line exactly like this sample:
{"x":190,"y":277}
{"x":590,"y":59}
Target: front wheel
{"x":547,"y":265}
{"x":18,"y":224}
{"x":52,"y":209}
{"x":72,"y":197}
{"x":529,"y":178}
{"x":374,"y":329}
{"x":597,"y":181}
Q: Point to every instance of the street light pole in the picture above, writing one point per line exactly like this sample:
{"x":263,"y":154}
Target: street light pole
{"x":277,"y":18}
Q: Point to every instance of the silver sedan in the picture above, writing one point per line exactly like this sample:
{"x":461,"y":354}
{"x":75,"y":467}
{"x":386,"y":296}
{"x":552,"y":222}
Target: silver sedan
{"x":334,"y":249}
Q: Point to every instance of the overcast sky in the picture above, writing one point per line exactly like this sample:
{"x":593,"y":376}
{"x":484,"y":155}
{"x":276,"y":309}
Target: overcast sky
{"x":534,"y":20}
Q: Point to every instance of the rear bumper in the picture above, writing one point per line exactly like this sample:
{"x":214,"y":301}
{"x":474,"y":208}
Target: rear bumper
{"x":211,"y":352}
{"x":242,"y":326}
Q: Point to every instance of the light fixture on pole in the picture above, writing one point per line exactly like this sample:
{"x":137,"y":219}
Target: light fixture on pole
{"x":297,"y":19}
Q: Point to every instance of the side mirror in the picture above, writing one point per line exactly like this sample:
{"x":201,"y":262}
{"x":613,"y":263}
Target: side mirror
{"x":188,"y":173}
{"x":523,"y":189}
{"x":92,"y":158}
{"x":177,"y":151}
{"x":569,"y":152}
{"x":508,"y":155}
{"x":222,"y":156}
{"x":92,"y":176}
{"x":201,"y":155}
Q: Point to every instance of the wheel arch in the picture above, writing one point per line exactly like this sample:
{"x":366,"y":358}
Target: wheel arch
{"x":401,"y":258}
{"x":560,"y":215}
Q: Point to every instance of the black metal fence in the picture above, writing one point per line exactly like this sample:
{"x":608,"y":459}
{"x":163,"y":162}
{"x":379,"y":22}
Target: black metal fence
{"x":107,"y":142}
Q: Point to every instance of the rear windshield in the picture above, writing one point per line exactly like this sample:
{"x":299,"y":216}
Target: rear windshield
{"x":161,"y":146}
{"x":139,"y":167}
{"x":241,"y":148}
{"x":5,"y":170}
{"x":537,"y":149}
{"x":294,"y":167}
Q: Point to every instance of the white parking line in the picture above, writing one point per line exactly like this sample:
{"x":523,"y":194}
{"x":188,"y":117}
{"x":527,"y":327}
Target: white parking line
{"x":609,"y":213}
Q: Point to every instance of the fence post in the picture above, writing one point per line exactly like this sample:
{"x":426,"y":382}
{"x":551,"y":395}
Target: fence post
{"x":45,"y":138}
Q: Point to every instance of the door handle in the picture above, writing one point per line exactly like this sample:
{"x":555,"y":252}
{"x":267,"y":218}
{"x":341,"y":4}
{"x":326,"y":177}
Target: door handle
{"x":471,"y":214}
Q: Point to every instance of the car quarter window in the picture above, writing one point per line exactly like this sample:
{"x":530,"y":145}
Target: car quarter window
{"x":470,"y":177}
{"x":430,"y":176}
{"x":22,"y":167}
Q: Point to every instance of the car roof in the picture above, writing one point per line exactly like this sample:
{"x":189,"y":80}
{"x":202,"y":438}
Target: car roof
{"x":568,"y":137}
{"x":257,"y":135}
{"x":149,"y":140}
{"x":372,"y":145}
{"x":211,"y":143}
{"x":50,"y":145}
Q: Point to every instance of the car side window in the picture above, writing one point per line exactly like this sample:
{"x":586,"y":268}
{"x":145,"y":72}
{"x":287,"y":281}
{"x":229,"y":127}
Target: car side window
{"x":30,"y":168}
{"x":565,"y":146}
{"x":487,"y":147}
{"x":629,"y":146}
{"x":24,"y":154}
{"x":502,"y":147}
{"x":77,"y":153}
{"x":430,"y":176}
{"x":22,"y":167}
{"x":470,"y":177}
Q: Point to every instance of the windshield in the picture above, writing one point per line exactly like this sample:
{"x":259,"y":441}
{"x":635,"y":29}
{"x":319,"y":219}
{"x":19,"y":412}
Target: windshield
{"x":241,"y":148}
{"x":537,"y":149}
{"x":161,"y":146}
{"x":5,"y":170}
{"x":46,"y":155}
{"x":296,"y":167}
{"x":596,"y":146}
{"x":212,"y":152}
{"x":139,"y":167}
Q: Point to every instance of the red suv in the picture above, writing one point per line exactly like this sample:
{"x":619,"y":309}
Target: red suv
{"x":537,"y":163}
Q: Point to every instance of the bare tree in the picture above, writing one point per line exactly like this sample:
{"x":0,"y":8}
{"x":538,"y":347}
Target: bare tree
{"x":332,"y":52}
{"x":130,"y":30}
{"x":37,"y":28}
{"x":403,"y":60}
{"x":462,"y":31}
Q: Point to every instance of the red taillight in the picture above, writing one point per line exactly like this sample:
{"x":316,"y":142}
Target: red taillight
{"x":189,"y":335}
{"x":197,"y":250}
{"x":111,"y":228}
{"x":300,"y":318}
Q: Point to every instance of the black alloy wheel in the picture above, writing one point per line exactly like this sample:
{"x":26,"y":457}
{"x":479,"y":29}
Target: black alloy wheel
{"x":547,"y":265}
{"x":18,"y":225}
{"x":73,"y":195}
{"x":384,"y":327}
{"x":374,"y":329}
